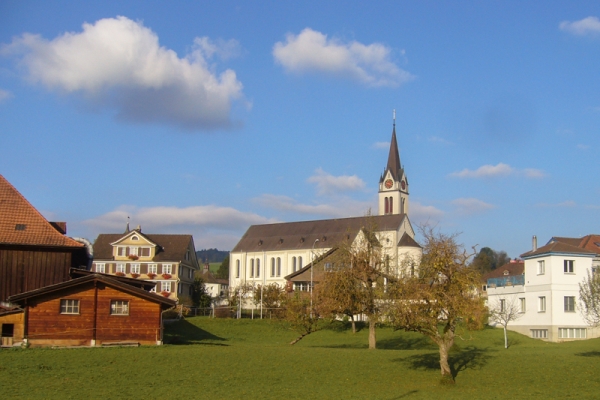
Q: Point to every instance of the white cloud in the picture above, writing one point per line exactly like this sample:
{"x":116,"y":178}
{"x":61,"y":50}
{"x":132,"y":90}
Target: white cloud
{"x":439,"y":140}
{"x":470,"y":206}
{"x":329,"y":184}
{"x":583,"y":147}
{"x":381,"y":145}
{"x":119,"y":64}
{"x":589,"y":25}
{"x":421,"y":214}
{"x":158,"y":218}
{"x":5,"y":95}
{"x":342,"y":209}
{"x":501,"y":169}
{"x":312,"y":51}
{"x":567,"y":203}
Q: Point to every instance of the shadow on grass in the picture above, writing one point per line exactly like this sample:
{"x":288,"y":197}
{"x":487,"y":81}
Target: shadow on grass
{"x":184,"y":332}
{"x":467,"y":358}
{"x":594,"y":353}
{"x":400,"y":343}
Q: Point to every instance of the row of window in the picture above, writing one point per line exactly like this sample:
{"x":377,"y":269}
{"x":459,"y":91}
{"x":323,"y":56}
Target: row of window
{"x":117,"y":307}
{"x":165,"y":286}
{"x":135,"y":268}
{"x":254,"y":267}
{"x":568,"y":267}
{"x":125,"y":251}
{"x":563,"y":333}
{"x":569,"y":304}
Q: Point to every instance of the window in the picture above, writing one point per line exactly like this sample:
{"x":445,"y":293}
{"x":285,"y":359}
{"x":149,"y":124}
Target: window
{"x":69,"y":306}
{"x":391,"y":205}
{"x":272,"y":266}
{"x":541,"y":267}
{"x":100,"y":267}
{"x":502,"y":305}
{"x":190,"y":273}
{"x":569,"y":266}
{"x":569,"y":303}
{"x":300,"y":263}
{"x":165,"y":286}
{"x":119,"y":307}
{"x":572,"y":333}
{"x":152,"y":269}
{"x":328,"y":266}
{"x":387,"y":206}
{"x":258,"y":267}
{"x":484,"y":288}
{"x":293,"y":264}
{"x":167,"y":268}
{"x":145,"y":252}
{"x":542,"y":304}
{"x":237,"y":268}
{"x":122,"y":251}
{"x":522,"y":304}
{"x":135,"y":238}
{"x":121,"y":267}
{"x":179,"y":288}
{"x":251,"y":267}
{"x":539,"y":333}
{"x":278,"y":266}
{"x":135,"y":268}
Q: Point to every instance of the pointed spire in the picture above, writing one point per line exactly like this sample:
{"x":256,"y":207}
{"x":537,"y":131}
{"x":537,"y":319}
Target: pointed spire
{"x":393,"y":164}
{"x":127,"y":227}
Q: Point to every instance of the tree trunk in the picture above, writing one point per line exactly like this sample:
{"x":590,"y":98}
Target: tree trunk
{"x":505,"y":338}
{"x":372,"y":336}
{"x":353,"y":324}
{"x":299,"y":338}
{"x":445,"y":344}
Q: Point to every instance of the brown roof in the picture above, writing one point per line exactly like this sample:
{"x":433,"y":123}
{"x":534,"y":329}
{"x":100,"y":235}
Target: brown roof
{"x":171,"y":247}
{"x":589,"y":242}
{"x":558,"y":247}
{"x":514,"y":268}
{"x":302,"y":235}
{"x":407,"y":241}
{"x":22,"y":224}
{"x":106,"y":279}
{"x":141,"y":283}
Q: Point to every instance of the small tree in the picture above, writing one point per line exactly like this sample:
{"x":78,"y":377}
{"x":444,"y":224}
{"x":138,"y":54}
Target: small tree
{"x":272,"y":296}
{"x":200,"y":296}
{"x":237,"y":297}
{"x":589,"y":298}
{"x":504,"y":311}
{"x":223,"y":271}
{"x":440,"y":297}
{"x":298,"y":315}
{"x":338,"y":293}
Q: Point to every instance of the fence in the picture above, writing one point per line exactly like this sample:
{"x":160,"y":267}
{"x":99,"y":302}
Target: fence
{"x":506,"y":281}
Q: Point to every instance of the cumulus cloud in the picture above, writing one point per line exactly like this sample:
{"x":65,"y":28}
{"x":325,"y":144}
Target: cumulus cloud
{"x":329,"y":184}
{"x":470,"y":206}
{"x":156,"y":218}
{"x":499,"y":170}
{"x":342,"y":209}
{"x":312,"y":51}
{"x":586,"y":26}
{"x":381,"y":145}
{"x":5,"y":95}
{"x":421,"y":214}
{"x":119,"y":64}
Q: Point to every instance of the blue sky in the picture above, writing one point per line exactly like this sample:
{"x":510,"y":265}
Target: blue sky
{"x":207,"y":117}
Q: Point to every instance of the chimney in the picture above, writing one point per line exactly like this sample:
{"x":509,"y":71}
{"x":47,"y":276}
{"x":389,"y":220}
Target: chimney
{"x":534,"y":243}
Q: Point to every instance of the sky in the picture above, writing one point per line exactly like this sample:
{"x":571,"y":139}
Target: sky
{"x":206,"y":117}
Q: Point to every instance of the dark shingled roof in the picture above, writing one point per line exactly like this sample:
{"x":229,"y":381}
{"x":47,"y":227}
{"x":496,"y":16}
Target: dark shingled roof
{"x":557,"y":247}
{"x":171,"y":247}
{"x":302,"y":235}
{"x":22,"y":224}
{"x":407,"y":241}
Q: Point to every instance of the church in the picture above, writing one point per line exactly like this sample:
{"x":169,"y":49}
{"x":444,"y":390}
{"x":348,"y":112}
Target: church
{"x":277,"y":253}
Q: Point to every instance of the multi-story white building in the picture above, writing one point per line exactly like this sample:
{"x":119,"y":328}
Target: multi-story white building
{"x":268,"y":253}
{"x":547,"y":294}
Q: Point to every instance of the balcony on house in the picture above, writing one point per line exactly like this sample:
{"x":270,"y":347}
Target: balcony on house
{"x":506,"y":281}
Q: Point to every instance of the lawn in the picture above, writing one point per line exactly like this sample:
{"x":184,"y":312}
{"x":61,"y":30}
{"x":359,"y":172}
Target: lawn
{"x":234,"y":359}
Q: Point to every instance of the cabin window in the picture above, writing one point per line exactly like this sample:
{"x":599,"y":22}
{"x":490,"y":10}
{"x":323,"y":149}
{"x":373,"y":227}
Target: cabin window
{"x":100,"y":267}
{"x":121,"y":251}
{"x":119,"y":307}
{"x":572,"y":333}
{"x":539,"y":333}
{"x":167,"y":268}
{"x":569,"y":266}
{"x":541,"y":267}
{"x":135,"y":238}
{"x":69,"y":306}
{"x":135,"y":268}
{"x":121,"y":267}
{"x":569,"y":303}
{"x":145,"y":252}
{"x":165,"y":286}
{"x":542,"y":304}
{"x":522,"y":303}
{"x":152,"y":269}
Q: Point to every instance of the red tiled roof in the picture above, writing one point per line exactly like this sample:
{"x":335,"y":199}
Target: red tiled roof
{"x":22,"y":224}
{"x":513,"y":268}
{"x":557,"y":247}
{"x":589,"y":242}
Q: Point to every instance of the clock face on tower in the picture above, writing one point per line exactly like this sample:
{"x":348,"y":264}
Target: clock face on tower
{"x":403,"y":184}
{"x":389,"y":183}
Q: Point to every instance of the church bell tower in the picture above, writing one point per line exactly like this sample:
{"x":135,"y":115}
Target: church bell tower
{"x":393,"y":184}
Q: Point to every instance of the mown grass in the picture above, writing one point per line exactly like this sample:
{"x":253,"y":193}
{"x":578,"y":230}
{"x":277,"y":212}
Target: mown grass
{"x":234,"y":359}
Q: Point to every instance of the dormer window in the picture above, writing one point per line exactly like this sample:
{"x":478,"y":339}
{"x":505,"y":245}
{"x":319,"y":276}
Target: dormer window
{"x":506,"y":272}
{"x":135,"y":238}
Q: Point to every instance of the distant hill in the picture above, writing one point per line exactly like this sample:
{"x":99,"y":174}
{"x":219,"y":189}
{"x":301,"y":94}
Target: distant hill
{"x":211,"y":255}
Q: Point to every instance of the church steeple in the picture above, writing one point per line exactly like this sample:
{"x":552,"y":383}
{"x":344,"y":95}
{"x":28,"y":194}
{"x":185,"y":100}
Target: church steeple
{"x":393,"y":184}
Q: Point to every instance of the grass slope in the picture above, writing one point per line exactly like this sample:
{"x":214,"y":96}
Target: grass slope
{"x":237,"y":359}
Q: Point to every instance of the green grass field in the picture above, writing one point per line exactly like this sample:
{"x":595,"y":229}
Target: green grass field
{"x":235,"y":359}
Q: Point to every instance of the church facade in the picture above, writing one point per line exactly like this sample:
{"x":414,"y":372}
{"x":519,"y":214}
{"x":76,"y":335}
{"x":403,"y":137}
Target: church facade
{"x":273,"y":253}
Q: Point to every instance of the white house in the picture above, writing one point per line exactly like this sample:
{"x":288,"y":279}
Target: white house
{"x":547,"y":293}
{"x":268,"y":253}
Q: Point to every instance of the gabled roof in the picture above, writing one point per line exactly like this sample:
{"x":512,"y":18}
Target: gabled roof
{"x":171,"y":247}
{"x":302,"y":235}
{"x":558,"y":247}
{"x":303,"y":274}
{"x":393,"y":164}
{"x":514,"y":268}
{"x":106,"y":279}
{"x":588,"y":242}
{"x":407,"y":241}
{"x":22,"y":224}
{"x":135,"y":232}
{"x":141,"y":283}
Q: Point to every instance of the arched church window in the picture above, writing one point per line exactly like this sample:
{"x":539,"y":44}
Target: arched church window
{"x":300,"y":263}
{"x":278,"y":266}
{"x":237,"y":268}
{"x":251,"y":267}
{"x":258,"y":267}
{"x":272,"y":266}
{"x":293,"y":264}
{"x":391,"y":205}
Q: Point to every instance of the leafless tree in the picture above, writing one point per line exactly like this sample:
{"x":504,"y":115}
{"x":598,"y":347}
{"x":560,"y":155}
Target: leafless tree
{"x":504,"y":311}
{"x":589,"y":298}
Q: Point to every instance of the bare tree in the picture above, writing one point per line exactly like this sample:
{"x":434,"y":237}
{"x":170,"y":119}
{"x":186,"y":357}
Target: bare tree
{"x":505,"y":311}
{"x":589,"y":298}
{"x":443,"y":294}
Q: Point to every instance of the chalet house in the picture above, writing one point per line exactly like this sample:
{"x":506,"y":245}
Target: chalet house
{"x":547,"y":293}
{"x":92,"y":310}
{"x":217,"y":288}
{"x":33,"y":252}
{"x":268,"y":254}
{"x":11,"y":325}
{"x":168,"y":260}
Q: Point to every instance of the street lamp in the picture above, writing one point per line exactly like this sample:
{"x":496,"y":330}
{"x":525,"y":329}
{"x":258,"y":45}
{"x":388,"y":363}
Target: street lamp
{"x":312,"y":267}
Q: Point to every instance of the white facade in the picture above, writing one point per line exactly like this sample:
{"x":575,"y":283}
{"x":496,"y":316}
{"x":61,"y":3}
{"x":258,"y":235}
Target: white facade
{"x":549,"y":295}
